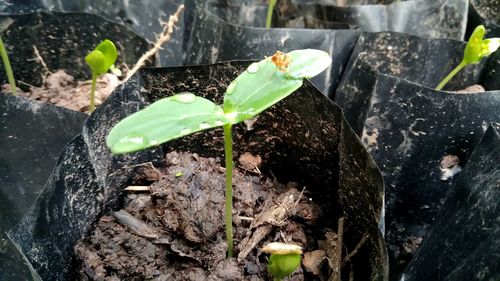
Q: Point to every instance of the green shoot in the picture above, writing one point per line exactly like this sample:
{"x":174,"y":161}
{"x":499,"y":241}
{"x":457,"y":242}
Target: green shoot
{"x":100,"y":60}
{"x":263,"y":84}
{"x":270,"y":8}
{"x":476,"y":49}
{"x":284,"y":260}
{"x":8,"y":68}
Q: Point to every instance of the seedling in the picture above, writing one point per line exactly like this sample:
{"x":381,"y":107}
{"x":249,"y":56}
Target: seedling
{"x":263,"y":84}
{"x":8,"y":68}
{"x":270,"y":7}
{"x":476,"y":49}
{"x":284,"y":259}
{"x":100,"y":60}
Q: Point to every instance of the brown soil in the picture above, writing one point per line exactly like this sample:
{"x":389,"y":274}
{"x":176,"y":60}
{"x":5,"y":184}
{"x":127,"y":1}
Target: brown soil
{"x":474,"y":89}
{"x":62,"y":90}
{"x":175,"y":230}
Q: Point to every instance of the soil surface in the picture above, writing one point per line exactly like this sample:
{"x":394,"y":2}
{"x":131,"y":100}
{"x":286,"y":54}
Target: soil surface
{"x":61,"y":89}
{"x":175,"y":229}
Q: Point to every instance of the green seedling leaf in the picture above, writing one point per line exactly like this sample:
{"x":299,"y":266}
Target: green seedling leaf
{"x":263,"y":84}
{"x":308,"y":63}
{"x":477,"y":48}
{"x":102,"y":57}
{"x":285,"y":259}
{"x":268,"y":81}
{"x":167,"y":119}
{"x":280,"y":266}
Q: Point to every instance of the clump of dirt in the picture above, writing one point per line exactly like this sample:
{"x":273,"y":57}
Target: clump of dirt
{"x":175,"y":230}
{"x":62,"y":90}
{"x":449,"y":167}
{"x":473,"y":89}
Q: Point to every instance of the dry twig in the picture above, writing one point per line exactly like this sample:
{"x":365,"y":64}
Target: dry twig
{"x":337,"y":275}
{"x":38,"y":58}
{"x":160,"y":40}
{"x":356,"y":249}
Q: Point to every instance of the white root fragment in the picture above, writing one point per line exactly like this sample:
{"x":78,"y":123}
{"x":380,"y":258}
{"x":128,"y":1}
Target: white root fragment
{"x":135,"y":225}
{"x":137,"y":188}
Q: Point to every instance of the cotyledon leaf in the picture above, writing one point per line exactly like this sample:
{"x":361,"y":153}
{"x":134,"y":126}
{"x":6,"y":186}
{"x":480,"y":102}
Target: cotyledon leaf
{"x":308,"y":63}
{"x":102,"y":57}
{"x":95,"y":60}
{"x":477,"y":48}
{"x":166,"y":119}
{"x":263,"y":84}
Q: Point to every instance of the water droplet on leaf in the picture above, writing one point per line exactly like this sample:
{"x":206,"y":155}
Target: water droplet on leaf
{"x":131,"y":142}
{"x":184,"y":98}
{"x":133,"y":139}
{"x":219,"y":123}
{"x":204,"y":125}
{"x":185,"y":131}
{"x":253,"y":68}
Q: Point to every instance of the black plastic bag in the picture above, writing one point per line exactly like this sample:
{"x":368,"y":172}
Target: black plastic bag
{"x":88,"y":180}
{"x":226,"y":41}
{"x":31,"y":137}
{"x":484,"y":12}
{"x":143,"y":17}
{"x":464,"y":243}
{"x":62,"y":40}
{"x":409,"y":128}
{"x":440,"y":18}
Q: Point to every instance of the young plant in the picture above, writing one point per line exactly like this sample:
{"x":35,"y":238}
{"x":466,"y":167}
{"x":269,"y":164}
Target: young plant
{"x":8,"y":68}
{"x":100,"y":60}
{"x":270,"y":7}
{"x":476,"y":49}
{"x":261,"y":85}
{"x":284,"y":260}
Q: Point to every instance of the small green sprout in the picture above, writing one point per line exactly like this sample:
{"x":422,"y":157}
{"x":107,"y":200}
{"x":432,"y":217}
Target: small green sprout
{"x":285,"y":259}
{"x":179,"y":174}
{"x":476,"y":49}
{"x":263,"y":84}
{"x":270,"y":7}
{"x":100,"y":60}
{"x":8,"y":68}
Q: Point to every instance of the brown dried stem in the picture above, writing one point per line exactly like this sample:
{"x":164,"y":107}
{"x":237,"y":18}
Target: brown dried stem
{"x":164,"y":37}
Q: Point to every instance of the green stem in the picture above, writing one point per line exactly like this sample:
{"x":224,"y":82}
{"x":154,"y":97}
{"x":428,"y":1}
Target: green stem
{"x":452,"y":73}
{"x":270,"y":8}
{"x":92,"y":93}
{"x":8,"y":68}
{"x":228,"y":149}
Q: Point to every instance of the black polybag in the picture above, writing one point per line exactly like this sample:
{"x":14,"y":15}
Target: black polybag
{"x":88,"y":180}
{"x":62,"y":40}
{"x":31,"y":137}
{"x":32,"y":133}
{"x":408,"y":127}
{"x":143,"y":17}
{"x":439,"y":18}
{"x":464,"y":243}
{"x":226,"y":42}
{"x":485,"y":12}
